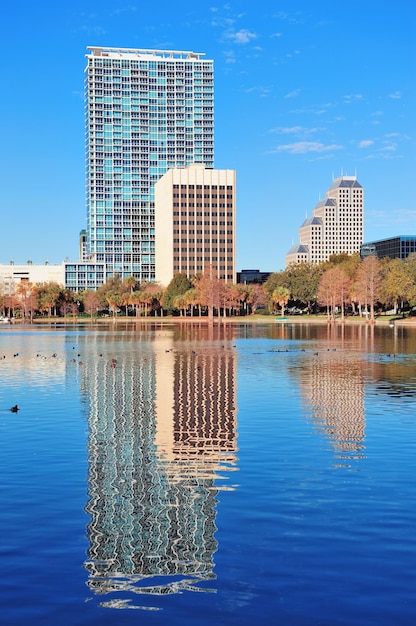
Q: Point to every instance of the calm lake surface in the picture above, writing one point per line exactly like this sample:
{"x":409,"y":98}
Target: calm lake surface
{"x":181,"y":475}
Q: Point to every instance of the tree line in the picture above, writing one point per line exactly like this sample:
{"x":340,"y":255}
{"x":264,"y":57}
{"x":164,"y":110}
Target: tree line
{"x":344,"y":284}
{"x":347,"y":284}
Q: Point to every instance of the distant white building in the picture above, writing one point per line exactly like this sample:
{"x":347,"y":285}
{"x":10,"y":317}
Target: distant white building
{"x":336,"y":225}
{"x":11,"y":275}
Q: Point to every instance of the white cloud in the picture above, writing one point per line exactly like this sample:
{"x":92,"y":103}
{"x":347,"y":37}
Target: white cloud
{"x":293,"y":130}
{"x":229,"y":56}
{"x":366,"y":143}
{"x":303,"y":147}
{"x":293,"y":94}
{"x":242,"y":36}
{"x":396,"y":95}
{"x":260,"y":90}
{"x":352,"y":98}
{"x":287,"y":130}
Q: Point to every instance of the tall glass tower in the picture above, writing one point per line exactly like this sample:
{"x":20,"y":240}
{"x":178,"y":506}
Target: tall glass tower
{"x":146,"y":111}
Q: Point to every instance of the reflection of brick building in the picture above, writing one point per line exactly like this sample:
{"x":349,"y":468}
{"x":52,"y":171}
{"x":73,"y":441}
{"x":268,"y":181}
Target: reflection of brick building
{"x":152,"y":499}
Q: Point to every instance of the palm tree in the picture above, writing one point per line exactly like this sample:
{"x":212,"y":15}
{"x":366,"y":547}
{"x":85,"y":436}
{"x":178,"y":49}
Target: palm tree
{"x":280,"y":296}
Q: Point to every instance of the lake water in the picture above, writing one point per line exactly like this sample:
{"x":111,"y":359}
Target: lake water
{"x":182,"y":475}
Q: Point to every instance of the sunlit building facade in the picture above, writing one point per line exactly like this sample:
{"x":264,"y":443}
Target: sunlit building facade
{"x":195,"y":218}
{"x":146,"y":111}
{"x":336,"y":225}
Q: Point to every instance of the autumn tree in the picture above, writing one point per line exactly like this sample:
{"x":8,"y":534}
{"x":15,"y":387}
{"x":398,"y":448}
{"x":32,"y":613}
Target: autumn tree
{"x":369,"y":279}
{"x":397,"y":284}
{"x":91,"y":302}
{"x":229,"y":298}
{"x":209,"y":289}
{"x":27,"y":296}
{"x":67,"y":302}
{"x":333,"y":290}
{"x":257,"y":298}
{"x":48,"y":295}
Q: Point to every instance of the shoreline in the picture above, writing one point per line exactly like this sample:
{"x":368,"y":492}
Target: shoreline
{"x":249,"y":319}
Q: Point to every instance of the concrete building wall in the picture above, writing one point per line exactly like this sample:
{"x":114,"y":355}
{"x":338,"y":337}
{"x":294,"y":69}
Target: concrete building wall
{"x":12,"y":275}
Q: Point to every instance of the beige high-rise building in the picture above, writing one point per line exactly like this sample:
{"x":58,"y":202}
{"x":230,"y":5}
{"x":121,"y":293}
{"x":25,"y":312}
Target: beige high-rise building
{"x":195,"y":223}
{"x":336,"y":225}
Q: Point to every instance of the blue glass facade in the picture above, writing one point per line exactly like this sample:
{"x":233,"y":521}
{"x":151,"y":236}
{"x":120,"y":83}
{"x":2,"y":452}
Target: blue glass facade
{"x":394,"y":247}
{"x":146,"y":112}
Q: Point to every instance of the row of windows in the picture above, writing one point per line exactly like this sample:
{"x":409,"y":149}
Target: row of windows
{"x":221,"y":187}
{"x":207,"y":241}
{"x":188,"y":224}
{"x":177,"y":64}
{"x":205,"y":250}
{"x":200,"y":214}
{"x":206,"y":205}
{"x":211,"y":258}
{"x":214,"y":196}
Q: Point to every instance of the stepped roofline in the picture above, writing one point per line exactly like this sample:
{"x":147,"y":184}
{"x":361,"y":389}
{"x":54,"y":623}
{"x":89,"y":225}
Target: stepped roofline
{"x":312,"y":220}
{"x":325,"y":202}
{"x":345,"y":181}
{"x":299,"y":248}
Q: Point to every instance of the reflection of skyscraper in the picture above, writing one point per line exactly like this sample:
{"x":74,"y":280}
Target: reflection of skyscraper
{"x":334,"y":390}
{"x":153,"y":503}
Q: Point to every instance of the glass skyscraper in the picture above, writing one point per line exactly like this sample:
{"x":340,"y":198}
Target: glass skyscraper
{"x":146,"y":111}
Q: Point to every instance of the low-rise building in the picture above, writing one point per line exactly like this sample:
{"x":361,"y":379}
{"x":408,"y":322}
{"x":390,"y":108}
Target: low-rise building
{"x":393,"y":247}
{"x":12,"y":274}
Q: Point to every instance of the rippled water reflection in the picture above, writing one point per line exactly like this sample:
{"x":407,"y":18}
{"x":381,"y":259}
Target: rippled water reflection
{"x":240,"y":474}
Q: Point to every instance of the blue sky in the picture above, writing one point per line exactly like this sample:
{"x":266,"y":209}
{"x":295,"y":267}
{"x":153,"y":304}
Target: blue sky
{"x":304,"y":91}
